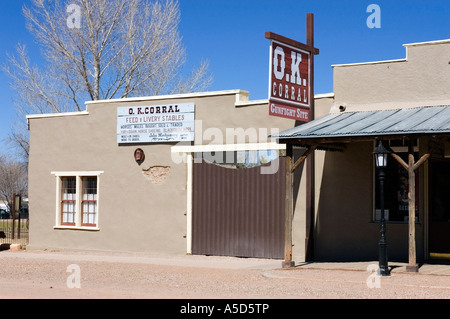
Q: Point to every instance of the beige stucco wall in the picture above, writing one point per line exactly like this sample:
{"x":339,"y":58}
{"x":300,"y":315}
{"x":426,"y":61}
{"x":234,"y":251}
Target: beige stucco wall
{"x":322,"y":106}
{"x":419,"y":78}
{"x":345,"y":180}
{"x":135,"y":214}
{"x":138,"y":215}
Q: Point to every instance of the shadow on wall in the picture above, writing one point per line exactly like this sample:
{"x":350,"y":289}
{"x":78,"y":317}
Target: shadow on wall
{"x":297,"y":174}
{"x":344,"y":231}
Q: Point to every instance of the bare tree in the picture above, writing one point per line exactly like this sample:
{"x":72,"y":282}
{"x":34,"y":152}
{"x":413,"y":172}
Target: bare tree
{"x":101,"y":49}
{"x":13,"y":179}
{"x":18,"y":138}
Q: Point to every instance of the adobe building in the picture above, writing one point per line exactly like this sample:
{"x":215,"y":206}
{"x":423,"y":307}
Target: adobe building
{"x":93,"y":184}
{"x":405,"y":104}
{"x":135,"y":174}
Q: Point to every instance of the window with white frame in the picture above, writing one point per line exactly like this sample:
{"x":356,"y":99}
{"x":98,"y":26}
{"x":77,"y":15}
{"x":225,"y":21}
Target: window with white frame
{"x":68,"y":200}
{"x":77,"y":199}
{"x":89,"y":201}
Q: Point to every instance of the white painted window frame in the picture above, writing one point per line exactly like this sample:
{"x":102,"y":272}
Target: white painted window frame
{"x":78,"y":175}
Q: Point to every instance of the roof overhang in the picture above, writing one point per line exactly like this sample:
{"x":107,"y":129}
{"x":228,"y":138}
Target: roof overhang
{"x":334,"y":130}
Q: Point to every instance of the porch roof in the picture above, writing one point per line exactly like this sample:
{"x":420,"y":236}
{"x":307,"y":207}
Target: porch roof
{"x":369,"y":125}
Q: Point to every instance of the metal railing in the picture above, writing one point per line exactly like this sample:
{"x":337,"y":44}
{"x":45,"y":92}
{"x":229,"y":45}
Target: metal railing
{"x":14,"y":232}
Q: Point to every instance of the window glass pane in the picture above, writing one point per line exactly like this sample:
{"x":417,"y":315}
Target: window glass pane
{"x":89,"y":204}
{"x":68,"y":200}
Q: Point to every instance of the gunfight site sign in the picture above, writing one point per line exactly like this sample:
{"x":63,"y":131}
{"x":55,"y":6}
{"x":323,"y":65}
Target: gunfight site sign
{"x":156,"y":123}
{"x":289,"y":82}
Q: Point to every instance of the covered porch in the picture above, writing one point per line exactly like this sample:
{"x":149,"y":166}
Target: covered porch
{"x":346,"y":214}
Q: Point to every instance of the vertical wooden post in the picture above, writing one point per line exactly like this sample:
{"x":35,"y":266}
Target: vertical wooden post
{"x":310,"y":43}
{"x":288,"y":210}
{"x":412,"y":266}
{"x":310,"y":185}
{"x":13,"y":212}
{"x":411,"y":167}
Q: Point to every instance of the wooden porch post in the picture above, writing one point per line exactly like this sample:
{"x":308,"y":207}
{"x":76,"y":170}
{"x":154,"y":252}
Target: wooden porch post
{"x":412,"y":265}
{"x":411,"y":167}
{"x":289,"y":201}
{"x":288,"y":210}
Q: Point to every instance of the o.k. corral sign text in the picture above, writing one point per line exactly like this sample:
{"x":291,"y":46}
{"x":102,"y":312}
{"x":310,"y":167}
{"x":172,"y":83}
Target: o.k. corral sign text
{"x":289,"y":94}
{"x":290,"y":78}
{"x":156,"y":123}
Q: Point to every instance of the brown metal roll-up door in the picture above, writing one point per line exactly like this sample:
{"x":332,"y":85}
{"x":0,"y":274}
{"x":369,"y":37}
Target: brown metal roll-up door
{"x":238,"y":212}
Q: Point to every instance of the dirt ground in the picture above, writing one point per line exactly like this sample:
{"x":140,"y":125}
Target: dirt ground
{"x":99,"y":275}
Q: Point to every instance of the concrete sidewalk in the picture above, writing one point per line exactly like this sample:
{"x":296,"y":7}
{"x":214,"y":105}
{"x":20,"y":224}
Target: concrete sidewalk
{"x":433,"y":268}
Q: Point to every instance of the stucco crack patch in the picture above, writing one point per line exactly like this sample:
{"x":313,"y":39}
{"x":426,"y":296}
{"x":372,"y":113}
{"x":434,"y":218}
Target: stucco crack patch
{"x":157,"y":174}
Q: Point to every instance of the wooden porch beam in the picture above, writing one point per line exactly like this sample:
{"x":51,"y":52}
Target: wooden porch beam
{"x":421,"y":161}
{"x":400,"y":160}
{"x":303,"y":157}
{"x":406,"y":166}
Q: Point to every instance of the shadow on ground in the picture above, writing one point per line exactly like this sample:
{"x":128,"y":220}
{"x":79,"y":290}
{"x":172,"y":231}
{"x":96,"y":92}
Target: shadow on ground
{"x":4,"y":246}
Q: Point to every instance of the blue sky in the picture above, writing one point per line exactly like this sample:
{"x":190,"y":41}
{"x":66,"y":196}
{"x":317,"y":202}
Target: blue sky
{"x":230,"y":35}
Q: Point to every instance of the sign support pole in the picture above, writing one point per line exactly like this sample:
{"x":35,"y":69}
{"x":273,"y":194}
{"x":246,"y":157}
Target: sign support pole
{"x":310,"y":178}
{"x":291,"y":95}
{"x":308,"y":156}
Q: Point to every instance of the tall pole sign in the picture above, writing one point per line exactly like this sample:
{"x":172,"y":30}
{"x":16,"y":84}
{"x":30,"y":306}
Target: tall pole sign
{"x":291,"y":91}
{"x":291,"y":95}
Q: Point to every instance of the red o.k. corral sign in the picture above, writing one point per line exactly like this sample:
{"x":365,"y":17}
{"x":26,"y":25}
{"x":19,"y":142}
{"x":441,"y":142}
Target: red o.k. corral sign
{"x":291,"y":76}
{"x":289,"y":82}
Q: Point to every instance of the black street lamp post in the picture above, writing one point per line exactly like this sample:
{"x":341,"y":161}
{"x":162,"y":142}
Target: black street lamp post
{"x":381,"y":154}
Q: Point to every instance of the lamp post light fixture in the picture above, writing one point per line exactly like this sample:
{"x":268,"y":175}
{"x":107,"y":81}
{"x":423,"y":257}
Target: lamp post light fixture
{"x":381,"y":154}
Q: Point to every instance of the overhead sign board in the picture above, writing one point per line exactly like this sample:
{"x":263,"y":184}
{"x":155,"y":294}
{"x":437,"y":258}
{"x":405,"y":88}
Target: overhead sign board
{"x":156,"y":123}
{"x":289,"y":81}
